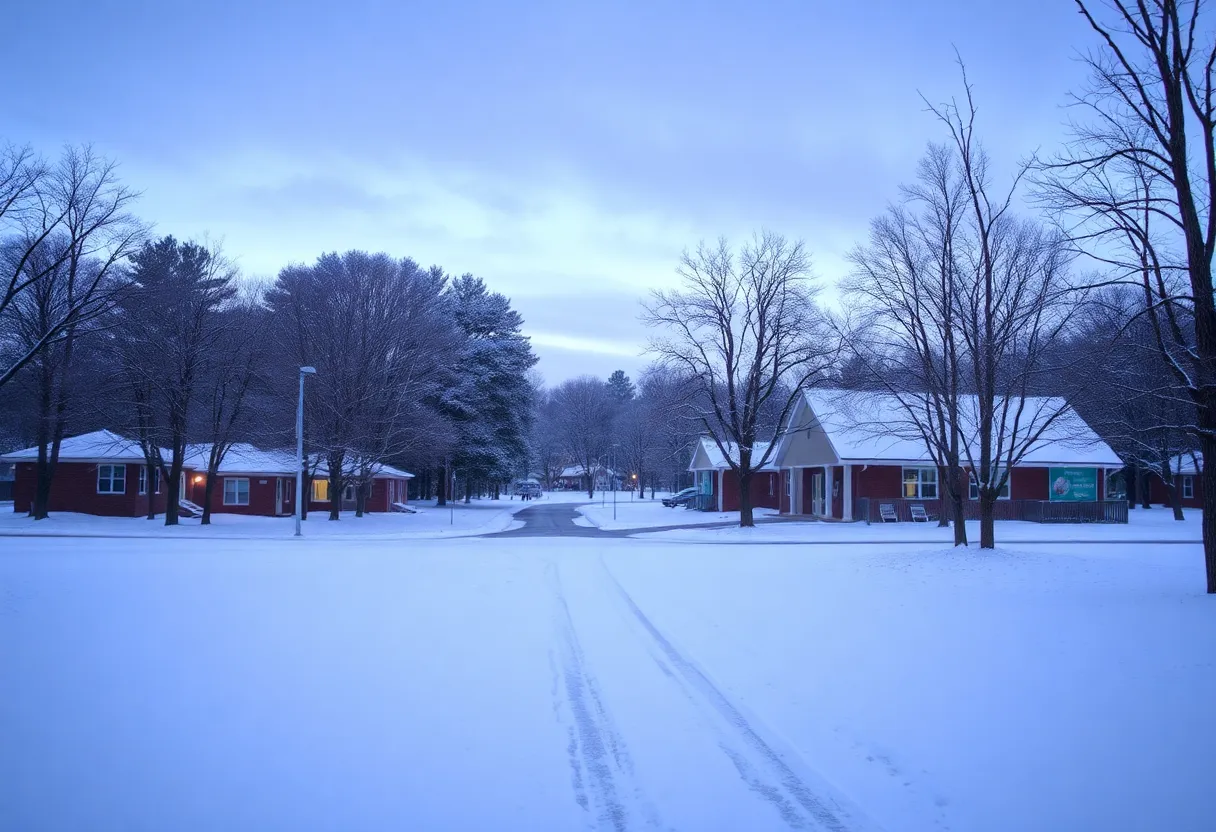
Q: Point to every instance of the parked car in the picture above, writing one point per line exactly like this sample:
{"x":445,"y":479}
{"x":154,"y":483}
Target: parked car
{"x":680,"y":498}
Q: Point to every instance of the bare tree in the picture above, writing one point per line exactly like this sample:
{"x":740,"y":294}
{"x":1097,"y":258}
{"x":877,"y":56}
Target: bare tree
{"x":69,"y":222}
{"x":906,"y":284}
{"x":583,"y":422}
{"x":167,"y":334}
{"x":377,"y":331}
{"x":746,"y":329}
{"x":1016,"y":308}
{"x":64,"y":265}
{"x":1137,"y":188}
{"x":234,"y":369}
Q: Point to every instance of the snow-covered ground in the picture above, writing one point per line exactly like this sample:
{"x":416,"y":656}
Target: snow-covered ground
{"x":1155,"y":524}
{"x":453,"y":520}
{"x":647,"y":513}
{"x":603,"y":684}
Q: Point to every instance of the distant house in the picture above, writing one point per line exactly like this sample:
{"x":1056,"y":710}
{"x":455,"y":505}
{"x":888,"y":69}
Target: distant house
{"x":98,"y":473}
{"x":105,"y":474}
{"x":575,"y":478}
{"x":843,"y":454}
{"x":254,"y":481}
{"x":719,"y":484}
{"x":1186,"y":468}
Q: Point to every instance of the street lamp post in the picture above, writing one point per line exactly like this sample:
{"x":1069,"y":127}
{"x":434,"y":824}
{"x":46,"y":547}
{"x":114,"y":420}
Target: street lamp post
{"x":304,"y":371}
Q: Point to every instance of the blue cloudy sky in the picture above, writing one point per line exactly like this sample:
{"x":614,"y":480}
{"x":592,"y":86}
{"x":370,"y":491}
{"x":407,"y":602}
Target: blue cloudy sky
{"x":565,"y":151}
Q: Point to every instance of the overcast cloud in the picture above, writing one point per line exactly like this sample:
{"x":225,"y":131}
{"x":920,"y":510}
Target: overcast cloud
{"x":566,"y":152}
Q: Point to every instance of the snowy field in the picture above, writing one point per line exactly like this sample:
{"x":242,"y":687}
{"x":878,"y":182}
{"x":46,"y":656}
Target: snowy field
{"x":1144,"y":525}
{"x":570,"y":684}
{"x":453,"y":520}
{"x":647,"y":513}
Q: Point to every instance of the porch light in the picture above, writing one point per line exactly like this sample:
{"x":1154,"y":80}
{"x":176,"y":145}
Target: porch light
{"x":198,"y":478}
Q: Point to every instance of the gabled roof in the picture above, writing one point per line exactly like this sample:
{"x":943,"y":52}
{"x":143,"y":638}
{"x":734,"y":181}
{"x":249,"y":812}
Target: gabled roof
{"x":707,"y":456}
{"x":876,"y":427}
{"x":571,"y":471}
{"x":98,"y":446}
{"x":1185,"y":463}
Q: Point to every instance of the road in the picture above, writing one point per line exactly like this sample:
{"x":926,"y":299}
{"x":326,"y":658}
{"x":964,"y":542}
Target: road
{"x":555,"y":520}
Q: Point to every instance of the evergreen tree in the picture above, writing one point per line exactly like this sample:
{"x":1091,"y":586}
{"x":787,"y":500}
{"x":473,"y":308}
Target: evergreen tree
{"x":620,"y":388}
{"x":490,"y":398}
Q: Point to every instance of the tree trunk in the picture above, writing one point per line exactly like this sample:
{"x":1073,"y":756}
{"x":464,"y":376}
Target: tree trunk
{"x":1145,"y":496}
{"x":987,"y":522}
{"x":174,"y":493}
{"x":1176,"y":500}
{"x":1129,"y":485}
{"x":1208,"y":478}
{"x":442,"y":491}
{"x":306,"y":487}
{"x":208,"y":490}
{"x":360,"y":500}
{"x":959,"y":514}
{"x":746,"y":516}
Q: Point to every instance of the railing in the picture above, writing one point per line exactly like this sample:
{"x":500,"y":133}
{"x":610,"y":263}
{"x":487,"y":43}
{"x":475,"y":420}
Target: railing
{"x":1104,"y":511}
{"x":703,"y":502}
{"x":866,"y":510}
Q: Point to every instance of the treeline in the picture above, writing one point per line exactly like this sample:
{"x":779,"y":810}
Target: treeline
{"x":160,"y":339}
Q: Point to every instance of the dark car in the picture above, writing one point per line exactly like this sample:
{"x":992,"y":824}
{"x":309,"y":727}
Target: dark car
{"x":680,"y":498}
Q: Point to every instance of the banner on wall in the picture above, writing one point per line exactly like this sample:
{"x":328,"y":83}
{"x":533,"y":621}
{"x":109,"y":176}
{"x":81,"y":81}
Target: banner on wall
{"x":1075,"y":485}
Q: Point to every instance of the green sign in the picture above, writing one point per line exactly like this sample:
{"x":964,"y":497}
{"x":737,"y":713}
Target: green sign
{"x":1072,"y":485}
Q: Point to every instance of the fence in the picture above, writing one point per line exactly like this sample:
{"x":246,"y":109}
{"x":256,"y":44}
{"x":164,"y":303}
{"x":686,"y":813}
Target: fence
{"x":866,"y":509}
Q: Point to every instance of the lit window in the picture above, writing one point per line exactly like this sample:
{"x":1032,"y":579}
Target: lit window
{"x":111,"y":479}
{"x":975,"y":489}
{"x":920,"y":483}
{"x":236,"y":491}
{"x":1188,"y":488}
{"x":320,"y":491}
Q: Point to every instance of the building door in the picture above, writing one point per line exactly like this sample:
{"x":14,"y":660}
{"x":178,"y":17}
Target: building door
{"x":817,"y":495}
{"x":278,"y":495}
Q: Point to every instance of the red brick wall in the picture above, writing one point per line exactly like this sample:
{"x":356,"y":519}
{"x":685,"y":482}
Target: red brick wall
{"x":261,"y":494}
{"x":1028,"y":484}
{"x":761,"y":498}
{"x":879,"y":481}
{"x":1157,"y":492}
{"x":75,"y":489}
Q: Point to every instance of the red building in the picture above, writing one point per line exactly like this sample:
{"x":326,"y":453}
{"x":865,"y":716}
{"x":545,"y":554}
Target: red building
{"x":1186,"y":468}
{"x":843,"y":454}
{"x":253,"y":481}
{"x":719,"y":482}
{"x":105,"y":474}
{"x":98,"y":473}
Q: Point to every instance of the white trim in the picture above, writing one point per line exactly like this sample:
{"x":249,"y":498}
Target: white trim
{"x":846,"y":499}
{"x":1188,"y":487}
{"x":237,"y":494}
{"x":111,"y":479}
{"x":920,"y":482}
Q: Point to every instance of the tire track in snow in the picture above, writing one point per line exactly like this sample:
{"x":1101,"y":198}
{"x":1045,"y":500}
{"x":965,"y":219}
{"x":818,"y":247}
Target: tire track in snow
{"x":601,"y":768}
{"x":760,"y":766}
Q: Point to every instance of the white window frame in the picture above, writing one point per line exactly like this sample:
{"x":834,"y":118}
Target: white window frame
{"x":143,"y":479}
{"x":921,"y":482}
{"x":1188,"y":488}
{"x":973,"y":486}
{"x":116,"y":474}
{"x":314,"y":496}
{"x":771,"y":487}
{"x":236,"y":501}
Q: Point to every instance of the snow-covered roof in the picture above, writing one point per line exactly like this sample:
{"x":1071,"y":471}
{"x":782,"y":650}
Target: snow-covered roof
{"x":1185,"y":464}
{"x":876,"y":427}
{"x":571,"y":471}
{"x":98,"y":446}
{"x":707,"y":456}
{"x":388,"y":472}
{"x":243,"y":458}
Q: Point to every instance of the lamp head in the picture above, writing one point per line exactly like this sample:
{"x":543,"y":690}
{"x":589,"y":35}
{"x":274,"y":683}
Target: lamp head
{"x":308,"y":370}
